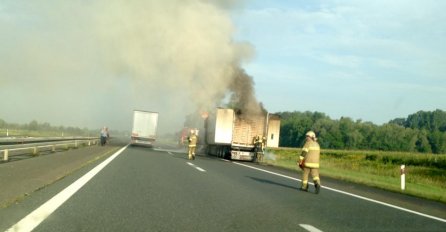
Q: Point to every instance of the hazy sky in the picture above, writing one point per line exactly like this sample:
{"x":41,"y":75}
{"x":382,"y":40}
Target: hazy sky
{"x":90,"y":63}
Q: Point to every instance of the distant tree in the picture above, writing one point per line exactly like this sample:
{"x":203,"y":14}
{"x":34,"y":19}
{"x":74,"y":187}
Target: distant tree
{"x":293,"y":128}
{"x":347,"y":129}
{"x":3,"y":124}
{"x":422,"y":132}
{"x":439,"y":120}
{"x":33,"y":125}
{"x":422,"y":143}
{"x":430,"y":121}
{"x":437,"y":140}
{"x":287,"y":134}
{"x":335,"y":136}
{"x":398,"y":121}
{"x":368,"y":131}
{"x":322,"y":129}
{"x":45,"y":126}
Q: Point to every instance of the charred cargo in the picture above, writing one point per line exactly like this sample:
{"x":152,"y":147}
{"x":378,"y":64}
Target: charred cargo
{"x":231,"y":134}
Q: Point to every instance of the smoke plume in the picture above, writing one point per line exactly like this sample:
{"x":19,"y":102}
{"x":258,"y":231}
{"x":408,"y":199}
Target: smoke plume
{"x":89,"y":64}
{"x":243,"y":94}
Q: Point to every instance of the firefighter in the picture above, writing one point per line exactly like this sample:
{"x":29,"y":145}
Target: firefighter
{"x":192,"y":144}
{"x":261,"y":144}
{"x":309,"y":161}
{"x":257,"y":148}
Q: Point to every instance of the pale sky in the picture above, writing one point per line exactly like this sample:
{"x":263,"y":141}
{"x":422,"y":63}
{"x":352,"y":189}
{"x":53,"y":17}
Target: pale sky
{"x":371,"y":60}
{"x":90,"y":63}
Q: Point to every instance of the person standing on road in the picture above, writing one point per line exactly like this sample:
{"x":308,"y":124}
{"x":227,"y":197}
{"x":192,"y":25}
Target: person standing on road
{"x":263,"y":144}
{"x":262,"y":147}
{"x":257,"y":149}
{"x":309,"y":161}
{"x":103,"y":136}
{"x":193,"y":139}
{"x":108,"y":135}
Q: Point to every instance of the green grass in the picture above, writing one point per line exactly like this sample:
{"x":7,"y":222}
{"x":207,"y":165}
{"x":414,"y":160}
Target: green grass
{"x":425,"y":173}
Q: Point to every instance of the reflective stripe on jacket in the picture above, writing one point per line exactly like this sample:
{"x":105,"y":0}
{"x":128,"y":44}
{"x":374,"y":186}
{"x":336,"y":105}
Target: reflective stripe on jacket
{"x":311,"y":154}
{"x":193,"y":141}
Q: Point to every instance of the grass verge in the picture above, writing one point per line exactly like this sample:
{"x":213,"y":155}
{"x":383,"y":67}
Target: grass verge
{"x":425,"y":174}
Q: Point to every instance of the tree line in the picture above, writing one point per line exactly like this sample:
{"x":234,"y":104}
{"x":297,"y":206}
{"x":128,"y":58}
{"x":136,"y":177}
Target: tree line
{"x":46,"y":127}
{"x":420,"y":132}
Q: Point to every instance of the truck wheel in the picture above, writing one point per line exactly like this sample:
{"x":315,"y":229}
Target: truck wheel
{"x":227,"y":155}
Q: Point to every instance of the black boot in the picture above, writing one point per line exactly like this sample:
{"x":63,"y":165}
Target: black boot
{"x":318,"y":188}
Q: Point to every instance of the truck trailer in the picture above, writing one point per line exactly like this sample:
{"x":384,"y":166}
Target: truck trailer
{"x":144,"y":128}
{"x":231,"y":134}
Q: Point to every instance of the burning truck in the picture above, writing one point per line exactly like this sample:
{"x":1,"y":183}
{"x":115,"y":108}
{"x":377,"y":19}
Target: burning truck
{"x":230,"y":134}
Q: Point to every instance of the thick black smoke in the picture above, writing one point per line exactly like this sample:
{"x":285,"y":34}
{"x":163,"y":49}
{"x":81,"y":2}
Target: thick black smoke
{"x":243,"y":93}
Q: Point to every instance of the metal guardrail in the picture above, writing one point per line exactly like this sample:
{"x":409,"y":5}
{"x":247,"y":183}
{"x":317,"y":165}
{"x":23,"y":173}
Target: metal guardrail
{"x":26,"y":140}
{"x":34,"y":148}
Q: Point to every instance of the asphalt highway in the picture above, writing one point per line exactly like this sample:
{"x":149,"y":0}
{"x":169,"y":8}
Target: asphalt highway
{"x":159,"y":189}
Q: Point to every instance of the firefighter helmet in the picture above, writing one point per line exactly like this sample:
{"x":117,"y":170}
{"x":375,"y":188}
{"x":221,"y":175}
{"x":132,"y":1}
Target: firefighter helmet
{"x":311,"y":134}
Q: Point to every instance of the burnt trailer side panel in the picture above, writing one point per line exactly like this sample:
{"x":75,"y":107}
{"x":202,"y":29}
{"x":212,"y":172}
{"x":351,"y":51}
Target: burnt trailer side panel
{"x":246,"y":128}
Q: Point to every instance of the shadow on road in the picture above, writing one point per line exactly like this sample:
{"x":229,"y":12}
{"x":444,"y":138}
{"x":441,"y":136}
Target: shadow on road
{"x":264,"y":181}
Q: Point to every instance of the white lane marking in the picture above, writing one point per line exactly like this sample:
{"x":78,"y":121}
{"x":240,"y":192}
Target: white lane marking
{"x":33,"y":219}
{"x":350,"y":194}
{"x":277,"y":174}
{"x":170,"y":150}
{"x":310,"y":228}
{"x":196,"y":167}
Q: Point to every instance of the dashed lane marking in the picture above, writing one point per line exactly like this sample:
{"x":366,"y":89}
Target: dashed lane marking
{"x":170,"y":150}
{"x":196,"y":167}
{"x":310,"y":228}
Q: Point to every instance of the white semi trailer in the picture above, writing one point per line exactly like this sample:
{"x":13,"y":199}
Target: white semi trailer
{"x":231,"y":135}
{"x":144,"y":127}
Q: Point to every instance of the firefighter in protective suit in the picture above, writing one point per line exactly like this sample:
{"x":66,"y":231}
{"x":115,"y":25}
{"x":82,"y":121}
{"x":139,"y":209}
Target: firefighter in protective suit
{"x":257,"y":148}
{"x":309,"y":161}
{"x":192,"y":144}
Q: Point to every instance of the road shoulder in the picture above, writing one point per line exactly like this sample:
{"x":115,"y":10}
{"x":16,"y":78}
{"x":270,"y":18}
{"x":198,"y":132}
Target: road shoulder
{"x":21,"y":178}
